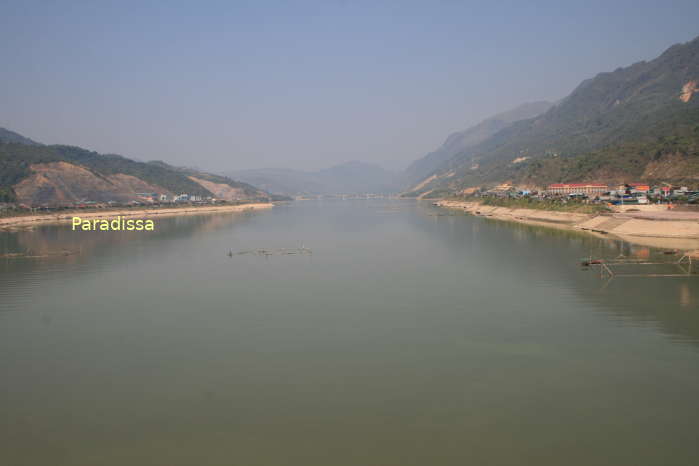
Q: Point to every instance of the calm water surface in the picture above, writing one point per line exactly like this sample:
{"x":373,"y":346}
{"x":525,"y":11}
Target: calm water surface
{"x":409,"y":337}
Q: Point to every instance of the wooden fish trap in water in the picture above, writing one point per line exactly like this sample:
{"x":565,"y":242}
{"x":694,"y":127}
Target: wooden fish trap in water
{"x":611,"y":268}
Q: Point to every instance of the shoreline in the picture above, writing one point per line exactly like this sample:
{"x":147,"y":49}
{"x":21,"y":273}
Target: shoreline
{"x":32,"y":220}
{"x":655,"y":229}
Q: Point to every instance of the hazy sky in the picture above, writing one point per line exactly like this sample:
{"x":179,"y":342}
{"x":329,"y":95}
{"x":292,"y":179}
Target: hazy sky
{"x":303,"y":84}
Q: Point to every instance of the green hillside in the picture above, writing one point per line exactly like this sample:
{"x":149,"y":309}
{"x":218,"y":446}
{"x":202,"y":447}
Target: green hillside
{"x":464,"y":140}
{"x":618,"y":120}
{"x":16,"y":159}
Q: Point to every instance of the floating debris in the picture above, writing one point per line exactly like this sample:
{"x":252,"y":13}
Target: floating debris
{"x":273,"y":252}
{"x":30,"y":255}
{"x":12,"y":255}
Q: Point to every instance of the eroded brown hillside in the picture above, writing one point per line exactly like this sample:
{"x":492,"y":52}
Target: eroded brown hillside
{"x":220,"y":190}
{"x":60,"y":183}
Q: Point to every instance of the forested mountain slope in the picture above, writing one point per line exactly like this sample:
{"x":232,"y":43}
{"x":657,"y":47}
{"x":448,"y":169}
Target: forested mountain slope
{"x":612,"y":126}
{"x":468,"y":138}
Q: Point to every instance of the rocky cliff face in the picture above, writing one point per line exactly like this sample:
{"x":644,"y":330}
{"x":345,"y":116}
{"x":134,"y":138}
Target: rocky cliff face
{"x":687,"y":91}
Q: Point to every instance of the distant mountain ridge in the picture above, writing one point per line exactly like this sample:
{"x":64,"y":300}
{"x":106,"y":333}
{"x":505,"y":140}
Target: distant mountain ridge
{"x":611,"y":127}
{"x":8,"y":136}
{"x":463,"y":140}
{"x":37,"y":174}
{"x":348,"y":178}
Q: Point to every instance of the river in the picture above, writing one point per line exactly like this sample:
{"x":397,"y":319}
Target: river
{"x":410,"y":336}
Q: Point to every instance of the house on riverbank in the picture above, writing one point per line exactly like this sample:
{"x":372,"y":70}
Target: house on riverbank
{"x":578,"y":188}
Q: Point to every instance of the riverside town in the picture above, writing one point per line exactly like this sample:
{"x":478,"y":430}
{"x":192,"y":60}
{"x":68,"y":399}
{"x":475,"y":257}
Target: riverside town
{"x":622,"y":194}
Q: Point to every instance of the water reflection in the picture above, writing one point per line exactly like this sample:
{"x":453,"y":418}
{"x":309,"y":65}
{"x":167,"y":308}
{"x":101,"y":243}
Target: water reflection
{"x":408,"y":337}
{"x":545,"y":256}
{"x":670,"y":305}
{"x":55,"y":252}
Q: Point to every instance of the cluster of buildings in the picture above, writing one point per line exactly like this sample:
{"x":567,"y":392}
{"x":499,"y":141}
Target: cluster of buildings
{"x":632,"y":192}
{"x":635,"y":193}
{"x":142,"y":199}
{"x":184,"y":197}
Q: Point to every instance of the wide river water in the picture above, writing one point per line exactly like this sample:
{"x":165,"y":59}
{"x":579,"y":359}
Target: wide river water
{"x":410,"y":336}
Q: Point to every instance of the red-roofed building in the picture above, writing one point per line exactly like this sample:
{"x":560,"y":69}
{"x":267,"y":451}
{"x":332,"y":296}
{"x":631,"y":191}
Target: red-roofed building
{"x":640,"y":187}
{"x":577,"y":188}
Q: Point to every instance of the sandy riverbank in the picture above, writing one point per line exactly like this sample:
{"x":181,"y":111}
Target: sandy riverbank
{"x":31,"y":220}
{"x":650,"y":227}
{"x":565,"y":220}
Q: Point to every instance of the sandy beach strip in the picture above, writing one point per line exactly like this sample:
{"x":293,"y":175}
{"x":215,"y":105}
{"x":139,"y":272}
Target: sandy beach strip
{"x":30,"y":220}
{"x":564,"y":220}
{"x":668,"y":229}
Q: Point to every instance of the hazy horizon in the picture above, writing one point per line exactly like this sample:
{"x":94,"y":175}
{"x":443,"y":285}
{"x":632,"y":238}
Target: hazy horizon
{"x":235,"y":87}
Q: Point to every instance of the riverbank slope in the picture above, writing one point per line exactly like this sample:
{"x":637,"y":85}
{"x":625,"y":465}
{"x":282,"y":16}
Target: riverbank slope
{"x":651,"y":226}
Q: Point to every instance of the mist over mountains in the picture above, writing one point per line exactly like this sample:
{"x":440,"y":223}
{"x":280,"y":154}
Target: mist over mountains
{"x":463,"y":140}
{"x":348,"y":178}
{"x":636,"y":123}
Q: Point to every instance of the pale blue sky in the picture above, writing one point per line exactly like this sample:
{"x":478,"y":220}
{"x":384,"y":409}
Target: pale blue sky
{"x":231,"y":85}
